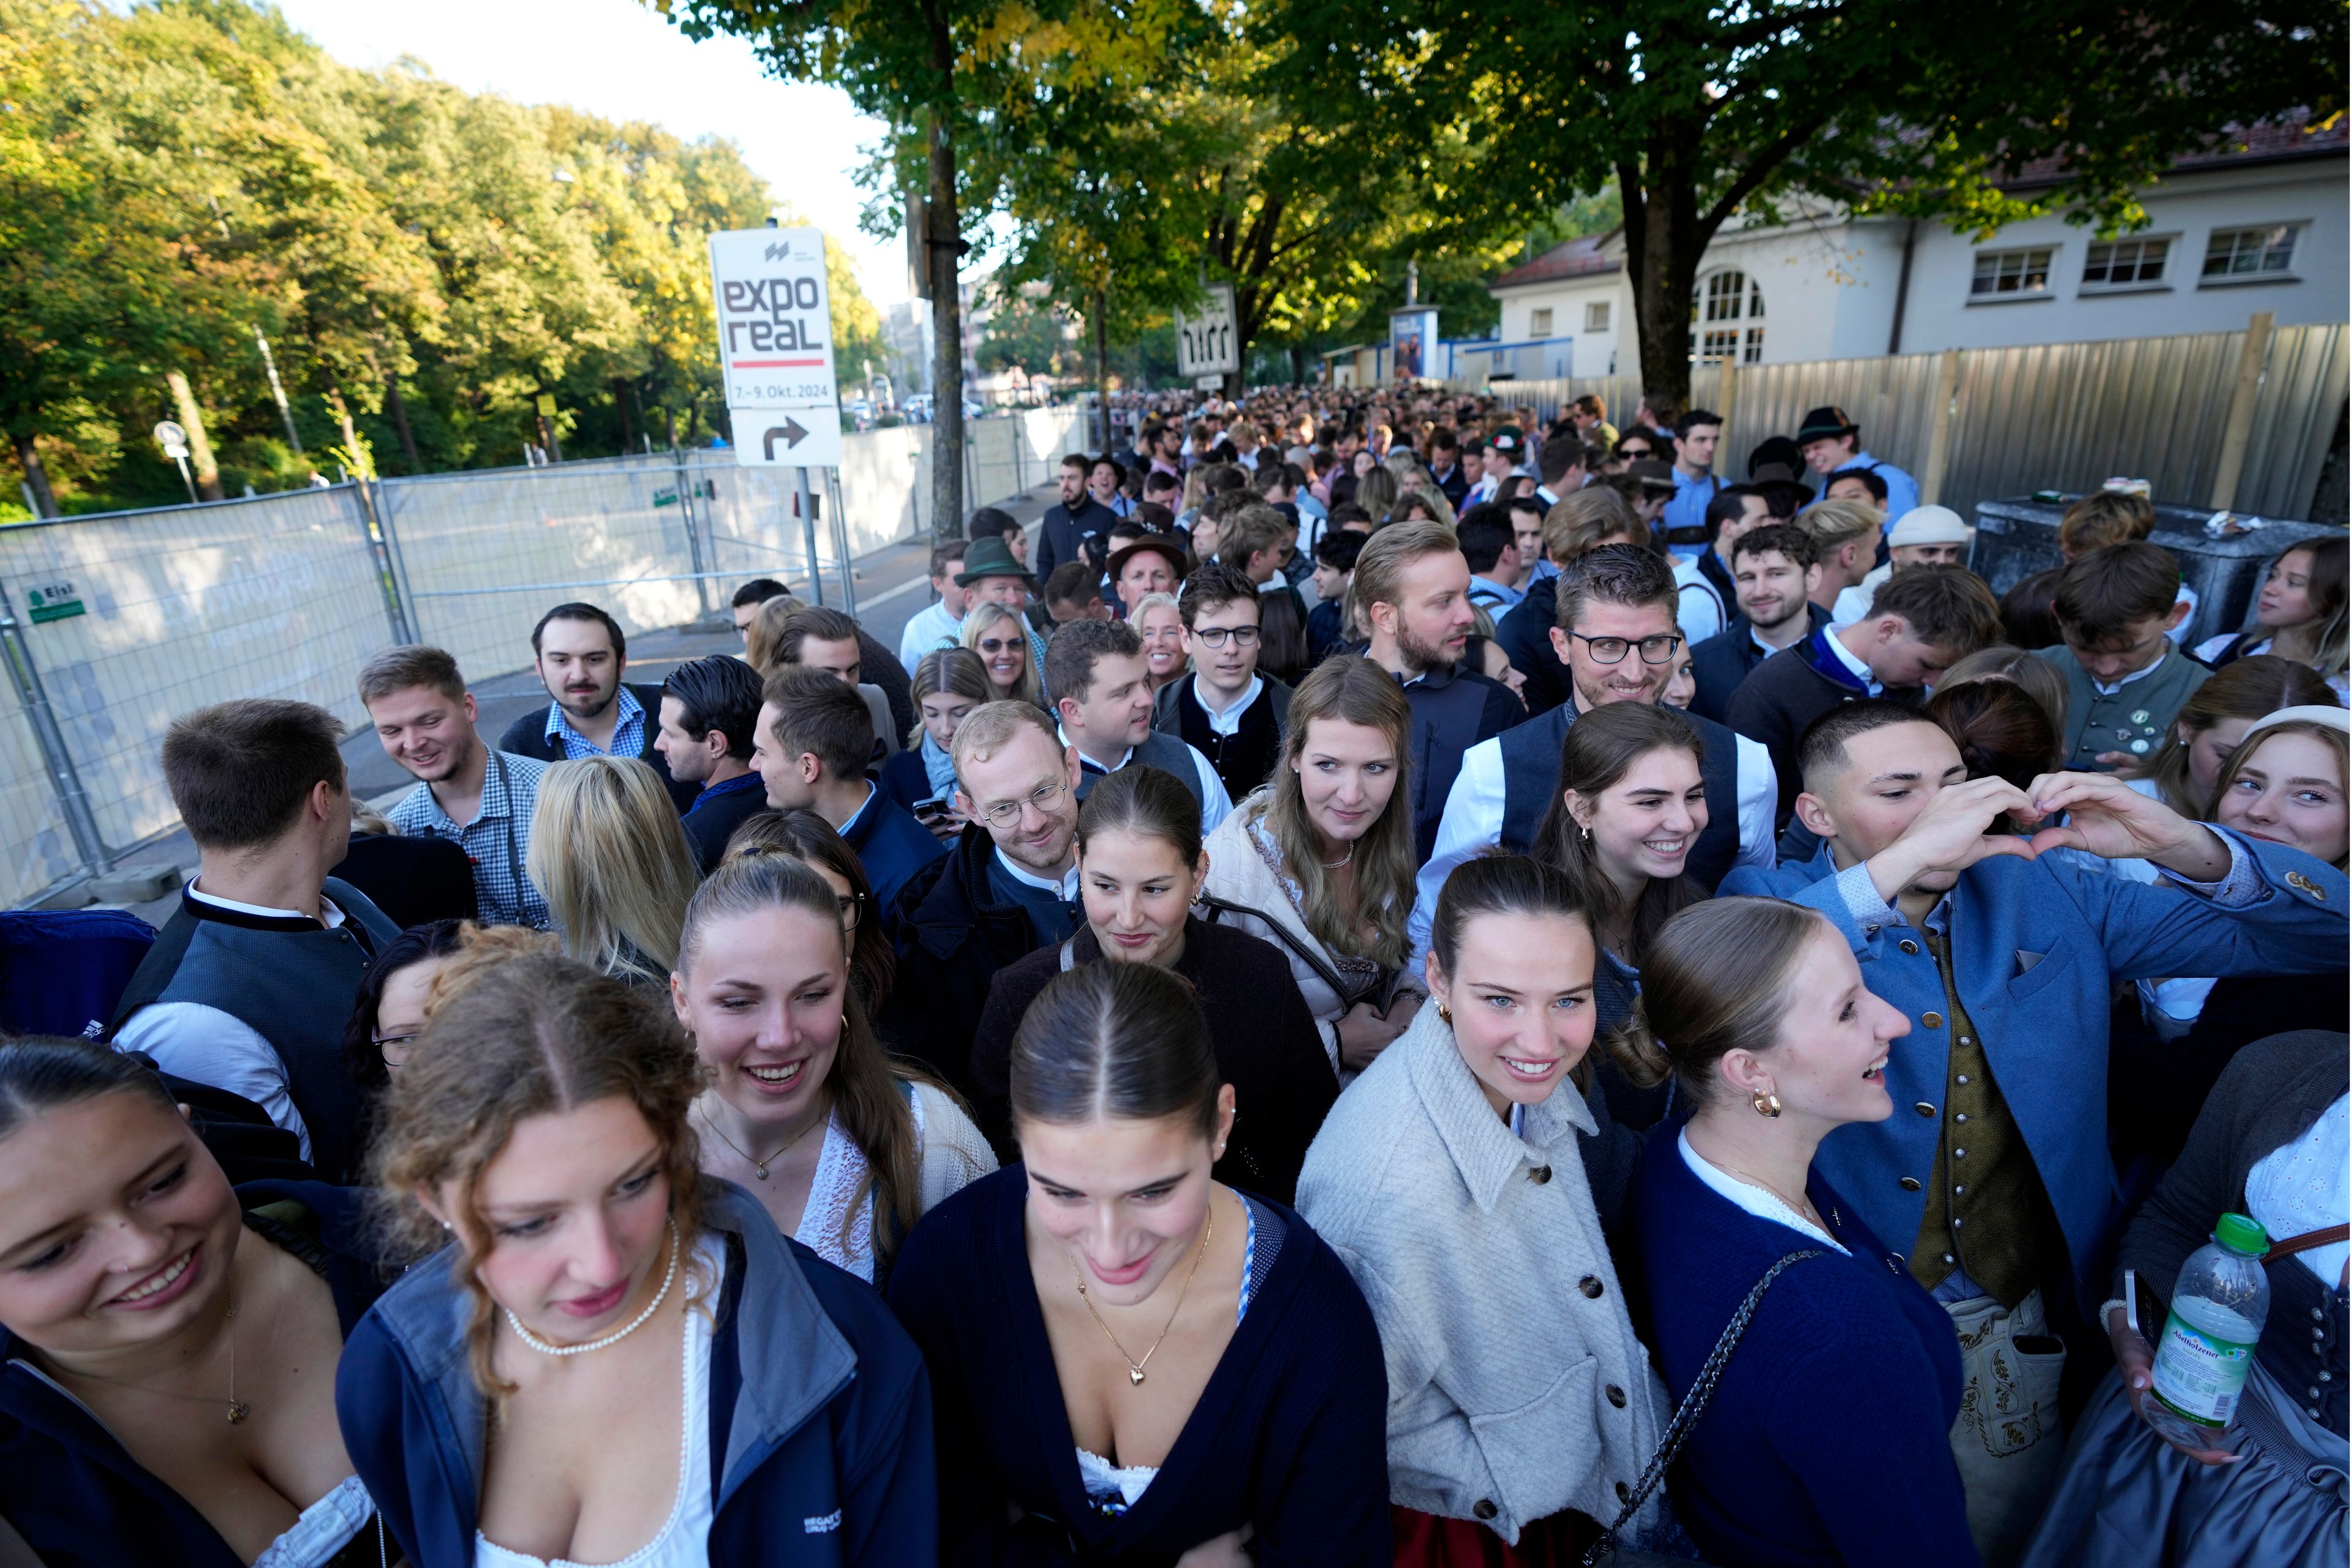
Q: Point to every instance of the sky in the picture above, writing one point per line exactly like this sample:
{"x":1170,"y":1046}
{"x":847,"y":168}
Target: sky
{"x":620,"y":60}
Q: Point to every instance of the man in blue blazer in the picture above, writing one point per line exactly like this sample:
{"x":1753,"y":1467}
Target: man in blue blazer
{"x":1993,"y":1172}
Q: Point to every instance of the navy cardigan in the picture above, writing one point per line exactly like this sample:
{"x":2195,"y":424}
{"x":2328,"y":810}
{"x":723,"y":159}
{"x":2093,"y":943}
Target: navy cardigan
{"x":1289,"y":1436}
{"x":75,"y":1495}
{"x":1780,"y":1473}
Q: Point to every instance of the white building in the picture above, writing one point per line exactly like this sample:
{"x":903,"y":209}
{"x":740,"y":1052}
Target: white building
{"x":2230,"y":234}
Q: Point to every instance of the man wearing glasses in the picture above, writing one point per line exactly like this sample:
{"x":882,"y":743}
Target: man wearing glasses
{"x":1616,"y":634}
{"x":1224,"y":709}
{"x":1000,"y":891}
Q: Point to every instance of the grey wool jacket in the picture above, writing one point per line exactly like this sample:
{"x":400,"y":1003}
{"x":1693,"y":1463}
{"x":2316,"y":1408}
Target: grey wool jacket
{"x":1516,"y":1388}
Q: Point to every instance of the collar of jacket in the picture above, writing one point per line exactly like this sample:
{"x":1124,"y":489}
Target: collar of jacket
{"x":198,"y":909}
{"x":943,"y":917}
{"x":793,"y":1360}
{"x":1480,"y":1142}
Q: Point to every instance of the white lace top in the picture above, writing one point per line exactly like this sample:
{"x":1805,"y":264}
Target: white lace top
{"x":683,"y":1541}
{"x":838,"y":1223}
{"x":325,"y":1528}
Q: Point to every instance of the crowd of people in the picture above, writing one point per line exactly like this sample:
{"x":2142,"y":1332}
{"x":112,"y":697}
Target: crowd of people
{"x":1393,"y":981}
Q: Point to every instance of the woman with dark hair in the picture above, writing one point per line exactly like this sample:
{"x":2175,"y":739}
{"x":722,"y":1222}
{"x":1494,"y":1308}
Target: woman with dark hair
{"x":134,"y":1431}
{"x":810,"y":839}
{"x":1282,"y":637}
{"x":1756,"y":1009}
{"x":1134,"y":1363}
{"x":1449,"y":1179}
{"x":2185,"y":771}
{"x":2300,"y":615}
{"x":763,"y":990}
{"x":1140,"y":865}
{"x":599,"y":1354}
{"x":2000,"y":729}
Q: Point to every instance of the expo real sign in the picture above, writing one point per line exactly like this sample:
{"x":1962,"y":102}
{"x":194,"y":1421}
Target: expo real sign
{"x":775,"y":346}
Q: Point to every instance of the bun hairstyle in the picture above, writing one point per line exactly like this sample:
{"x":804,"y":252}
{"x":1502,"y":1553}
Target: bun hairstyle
{"x":804,"y":836}
{"x":2001,"y":732}
{"x":514,"y":1035}
{"x":1497,"y":885}
{"x":40,"y":1073}
{"x":1146,"y":802}
{"x":1115,"y":1041}
{"x":1716,"y":980}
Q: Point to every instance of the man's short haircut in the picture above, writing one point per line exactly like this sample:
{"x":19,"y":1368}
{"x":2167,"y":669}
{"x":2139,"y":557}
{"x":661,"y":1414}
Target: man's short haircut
{"x":1784,"y":499}
{"x":819,"y":621}
{"x":1870,"y":479}
{"x":1250,"y":529}
{"x":1161,"y":482}
{"x":1071,"y":654}
{"x":1947,"y":607}
{"x":1836,"y":524}
{"x":821,"y":717}
{"x":2104,"y":518}
{"x":576,"y":611}
{"x":1590,"y":404}
{"x":719,"y":692}
{"x":757,"y":591}
{"x":1071,"y":582}
{"x":1221,"y":507}
{"x":945,"y":556}
{"x":1556,"y":456}
{"x":989,"y":522}
{"x":1080,"y":461}
{"x":1524,"y":506}
{"x":1213,"y":586}
{"x":1337,"y":549}
{"x":1821,"y":750}
{"x":1484,"y":534}
{"x":1769,"y":538}
{"x":412,"y":664}
{"x":1579,"y":522}
{"x":991,"y":727}
{"x":1273,"y":476}
{"x":2104,"y":594}
{"x":1628,"y":575}
{"x":1445,"y":441}
{"x":240,"y":771}
{"x":1692,"y":420}
{"x":1728,"y":504}
{"x":1349,"y":512}
{"x":1223,"y":477}
{"x":1380,"y":570}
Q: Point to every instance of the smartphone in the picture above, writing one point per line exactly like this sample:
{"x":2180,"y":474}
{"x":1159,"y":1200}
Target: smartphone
{"x":929,"y":811}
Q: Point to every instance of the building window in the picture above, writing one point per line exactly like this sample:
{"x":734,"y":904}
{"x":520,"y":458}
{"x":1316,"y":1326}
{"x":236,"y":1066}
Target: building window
{"x":2009,"y":273}
{"x":1538,"y":324}
{"x":2250,"y":253}
{"x":2126,"y":263}
{"x":1727,"y":316}
{"x":1596,"y":316}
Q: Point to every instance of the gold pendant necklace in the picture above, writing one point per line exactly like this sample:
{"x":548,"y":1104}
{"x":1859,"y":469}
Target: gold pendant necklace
{"x":1134,"y":1367}
{"x":238,"y":1409}
{"x":760,"y":1167}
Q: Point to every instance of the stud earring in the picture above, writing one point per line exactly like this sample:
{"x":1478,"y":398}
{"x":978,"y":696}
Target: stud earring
{"x":1444,"y":1014}
{"x":1767,"y":1105}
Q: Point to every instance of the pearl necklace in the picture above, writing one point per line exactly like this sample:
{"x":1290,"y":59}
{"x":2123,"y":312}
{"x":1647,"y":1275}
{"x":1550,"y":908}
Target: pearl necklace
{"x":545,"y":1348}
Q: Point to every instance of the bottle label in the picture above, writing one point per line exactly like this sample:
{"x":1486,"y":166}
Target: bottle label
{"x":2199,"y":1376}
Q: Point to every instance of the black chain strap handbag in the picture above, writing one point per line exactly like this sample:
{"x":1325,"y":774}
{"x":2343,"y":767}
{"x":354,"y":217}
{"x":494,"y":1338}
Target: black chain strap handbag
{"x":1694,"y":1405}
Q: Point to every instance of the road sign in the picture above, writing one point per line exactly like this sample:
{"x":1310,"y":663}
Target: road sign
{"x":786,"y":437}
{"x":172,"y":438}
{"x":1205,"y":340}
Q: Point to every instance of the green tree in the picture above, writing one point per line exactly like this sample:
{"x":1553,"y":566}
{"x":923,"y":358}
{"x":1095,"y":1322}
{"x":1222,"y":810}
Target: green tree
{"x":1699,"y":112}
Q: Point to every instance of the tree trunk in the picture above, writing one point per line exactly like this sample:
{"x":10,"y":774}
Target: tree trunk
{"x":192,"y":420}
{"x":399,"y":407}
{"x":36,"y":477}
{"x":357,"y":457}
{"x":621,"y":406}
{"x":1102,"y":367}
{"x":1298,"y":364}
{"x":942,"y":249}
{"x":1664,"y":247}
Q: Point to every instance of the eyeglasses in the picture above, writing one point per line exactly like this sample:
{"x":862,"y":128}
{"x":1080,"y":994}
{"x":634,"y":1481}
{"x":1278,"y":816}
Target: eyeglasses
{"x":1005,"y":813}
{"x":1657,"y":649}
{"x":395,"y":1049}
{"x":853,"y":910}
{"x":1214,"y":636}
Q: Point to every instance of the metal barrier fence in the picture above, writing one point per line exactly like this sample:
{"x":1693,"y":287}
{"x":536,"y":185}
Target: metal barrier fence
{"x":112,"y":626}
{"x":2179,"y":412}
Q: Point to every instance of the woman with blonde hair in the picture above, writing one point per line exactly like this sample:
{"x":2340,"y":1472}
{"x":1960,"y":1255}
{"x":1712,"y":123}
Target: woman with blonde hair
{"x":599,"y":1353}
{"x":1157,"y":621}
{"x":1320,"y":861}
{"x":1377,"y":492}
{"x":844,"y":1147}
{"x":608,"y":853}
{"x":2186,"y":770}
{"x":765,"y":635}
{"x":1001,"y":640}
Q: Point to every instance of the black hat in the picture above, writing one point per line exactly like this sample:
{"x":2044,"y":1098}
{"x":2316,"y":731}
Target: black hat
{"x":1655,"y":474}
{"x":991,"y":558}
{"x":1160,"y":544}
{"x":1822,"y":423}
{"x":1774,"y":449}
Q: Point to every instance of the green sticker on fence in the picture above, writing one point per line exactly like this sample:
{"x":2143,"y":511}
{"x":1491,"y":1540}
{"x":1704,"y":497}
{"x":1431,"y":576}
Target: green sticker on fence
{"x":54,"y":602}
{"x":666,"y":498}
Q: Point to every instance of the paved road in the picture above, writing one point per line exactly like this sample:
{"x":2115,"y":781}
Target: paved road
{"x":892,"y":583}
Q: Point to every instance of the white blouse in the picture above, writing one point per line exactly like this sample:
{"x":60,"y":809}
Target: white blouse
{"x":2306,"y":1185}
{"x":1749,"y":1196}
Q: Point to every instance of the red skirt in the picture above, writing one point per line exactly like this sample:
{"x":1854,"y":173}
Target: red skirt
{"x":1426,"y":1541}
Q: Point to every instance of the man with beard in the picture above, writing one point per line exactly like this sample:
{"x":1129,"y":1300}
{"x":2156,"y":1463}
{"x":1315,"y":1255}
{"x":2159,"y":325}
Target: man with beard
{"x":1774,"y":573}
{"x":479,"y":799}
{"x":580,"y":656}
{"x":1413,"y":594}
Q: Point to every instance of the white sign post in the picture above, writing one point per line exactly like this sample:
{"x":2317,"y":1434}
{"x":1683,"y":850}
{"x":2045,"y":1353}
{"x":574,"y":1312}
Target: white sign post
{"x":1206,"y":342}
{"x":775,"y":358}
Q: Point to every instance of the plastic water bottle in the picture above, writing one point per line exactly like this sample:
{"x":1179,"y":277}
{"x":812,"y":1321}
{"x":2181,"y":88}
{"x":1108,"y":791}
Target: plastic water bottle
{"x":2208,"y":1346}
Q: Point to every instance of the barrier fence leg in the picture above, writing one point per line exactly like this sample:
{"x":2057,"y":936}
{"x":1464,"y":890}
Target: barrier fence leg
{"x":834,"y":499}
{"x":804,"y":498}
{"x":372,"y":531}
{"x":73,"y":801}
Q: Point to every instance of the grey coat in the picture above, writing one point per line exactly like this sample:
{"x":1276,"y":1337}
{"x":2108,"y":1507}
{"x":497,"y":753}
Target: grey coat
{"x":1516,"y":1388}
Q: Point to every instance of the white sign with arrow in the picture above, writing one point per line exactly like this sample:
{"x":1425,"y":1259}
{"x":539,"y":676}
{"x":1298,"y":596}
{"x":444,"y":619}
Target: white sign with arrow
{"x":775,"y":346}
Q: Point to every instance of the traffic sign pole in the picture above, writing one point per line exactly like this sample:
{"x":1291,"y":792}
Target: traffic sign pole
{"x":807,"y":503}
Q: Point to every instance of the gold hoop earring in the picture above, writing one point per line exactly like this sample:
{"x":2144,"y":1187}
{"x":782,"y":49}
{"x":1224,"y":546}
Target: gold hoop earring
{"x":1767,"y":1105}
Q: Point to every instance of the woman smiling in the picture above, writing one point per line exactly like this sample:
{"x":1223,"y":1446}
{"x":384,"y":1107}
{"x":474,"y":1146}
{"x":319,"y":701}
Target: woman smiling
{"x":1135,"y":1364}
{"x":1140,"y":865}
